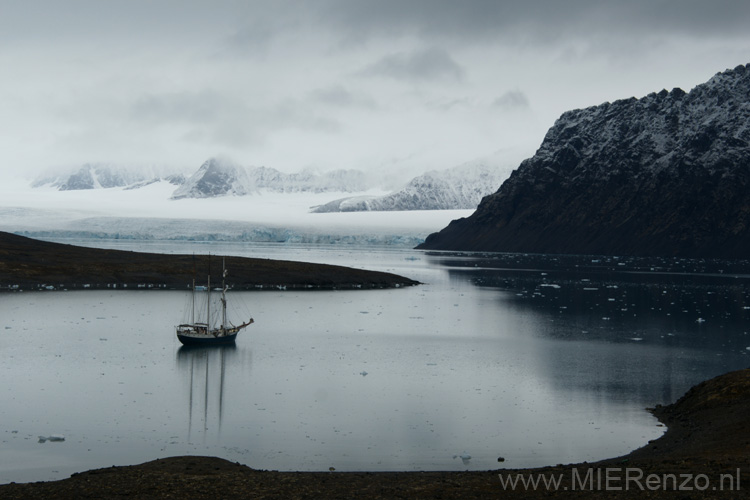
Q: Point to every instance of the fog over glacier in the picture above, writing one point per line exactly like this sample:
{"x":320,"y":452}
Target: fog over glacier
{"x":150,"y":213}
{"x":225,"y":201}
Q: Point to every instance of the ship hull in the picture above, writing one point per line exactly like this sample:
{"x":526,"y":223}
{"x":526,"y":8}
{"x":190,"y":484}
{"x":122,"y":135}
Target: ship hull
{"x":203,"y":339}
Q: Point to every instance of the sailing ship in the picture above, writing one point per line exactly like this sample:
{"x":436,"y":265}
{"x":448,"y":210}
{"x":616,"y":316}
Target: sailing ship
{"x":205,"y":333}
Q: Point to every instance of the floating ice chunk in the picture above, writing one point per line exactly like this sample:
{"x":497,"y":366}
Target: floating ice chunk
{"x":700,"y":320}
{"x":54,"y":438}
{"x":363,"y":373}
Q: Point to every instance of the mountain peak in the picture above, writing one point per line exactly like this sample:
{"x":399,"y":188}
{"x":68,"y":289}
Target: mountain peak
{"x":215,"y":177}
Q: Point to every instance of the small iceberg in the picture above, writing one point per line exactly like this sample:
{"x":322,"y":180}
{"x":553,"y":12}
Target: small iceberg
{"x":54,"y":438}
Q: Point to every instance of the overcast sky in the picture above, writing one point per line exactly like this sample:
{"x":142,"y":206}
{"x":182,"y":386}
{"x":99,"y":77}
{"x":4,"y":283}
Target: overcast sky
{"x":387,"y":84}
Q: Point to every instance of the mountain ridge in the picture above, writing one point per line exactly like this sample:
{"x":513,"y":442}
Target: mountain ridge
{"x":667,"y":174}
{"x":105,"y":176}
{"x":460,"y":187}
{"x":220,"y":177}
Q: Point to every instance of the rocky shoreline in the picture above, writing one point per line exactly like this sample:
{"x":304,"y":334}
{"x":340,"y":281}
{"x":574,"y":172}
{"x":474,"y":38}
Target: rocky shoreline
{"x":703,"y":454}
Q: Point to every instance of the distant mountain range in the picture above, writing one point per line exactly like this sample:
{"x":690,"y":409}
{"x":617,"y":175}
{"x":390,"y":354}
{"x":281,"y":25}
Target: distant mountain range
{"x":461,"y":187}
{"x":668,"y":174}
{"x":102,"y":176}
{"x":222,"y":177}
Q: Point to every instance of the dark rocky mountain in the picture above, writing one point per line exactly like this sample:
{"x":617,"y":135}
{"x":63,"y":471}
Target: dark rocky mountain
{"x":667,"y":174}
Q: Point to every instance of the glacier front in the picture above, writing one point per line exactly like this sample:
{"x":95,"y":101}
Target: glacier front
{"x":150,"y":213}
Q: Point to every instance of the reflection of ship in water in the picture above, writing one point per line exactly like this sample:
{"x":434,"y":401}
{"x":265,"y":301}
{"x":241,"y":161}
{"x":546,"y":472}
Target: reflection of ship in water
{"x":204,"y":369}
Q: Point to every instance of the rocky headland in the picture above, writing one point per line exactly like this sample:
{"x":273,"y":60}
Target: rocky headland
{"x":666,"y":175}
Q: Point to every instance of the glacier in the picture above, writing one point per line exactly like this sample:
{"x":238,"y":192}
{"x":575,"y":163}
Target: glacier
{"x":149,"y":213}
{"x":225,"y":201}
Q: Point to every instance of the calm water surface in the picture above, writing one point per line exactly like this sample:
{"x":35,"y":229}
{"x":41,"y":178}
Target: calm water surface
{"x":540,"y":360}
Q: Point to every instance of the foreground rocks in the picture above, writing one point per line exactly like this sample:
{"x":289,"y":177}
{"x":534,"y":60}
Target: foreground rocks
{"x":705,"y":450}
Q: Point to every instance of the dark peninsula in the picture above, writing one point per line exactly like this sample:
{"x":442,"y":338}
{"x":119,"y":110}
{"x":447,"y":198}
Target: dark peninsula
{"x":28,"y":264}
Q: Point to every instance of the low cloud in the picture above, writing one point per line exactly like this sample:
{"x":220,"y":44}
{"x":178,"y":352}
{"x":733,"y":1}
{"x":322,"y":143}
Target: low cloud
{"x":513,"y":100}
{"x":212,"y":117}
{"x":428,"y":64}
{"x":191,"y":107}
{"x":340,"y":96}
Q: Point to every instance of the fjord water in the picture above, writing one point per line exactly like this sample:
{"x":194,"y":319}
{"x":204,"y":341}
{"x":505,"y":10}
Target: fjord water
{"x":536,"y":359}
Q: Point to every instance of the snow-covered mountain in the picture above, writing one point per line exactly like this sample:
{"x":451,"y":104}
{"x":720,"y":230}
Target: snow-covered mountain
{"x":102,"y":176}
{"x":215,"y":178}
{"x":458,"y":188}
{"x":667,"y":174}
{"x":347,"y":181}
{"x":224,"y":201}
{"x":221,"y":177}
{"x":461,"y":187}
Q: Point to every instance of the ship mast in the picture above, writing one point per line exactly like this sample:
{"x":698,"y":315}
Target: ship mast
{"x":208,"y":301}
{"x":192,"y":307}
{"x":223,"y":295}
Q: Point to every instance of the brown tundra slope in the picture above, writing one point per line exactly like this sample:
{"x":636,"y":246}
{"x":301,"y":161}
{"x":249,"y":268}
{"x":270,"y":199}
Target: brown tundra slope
{"x":29,"y":264}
